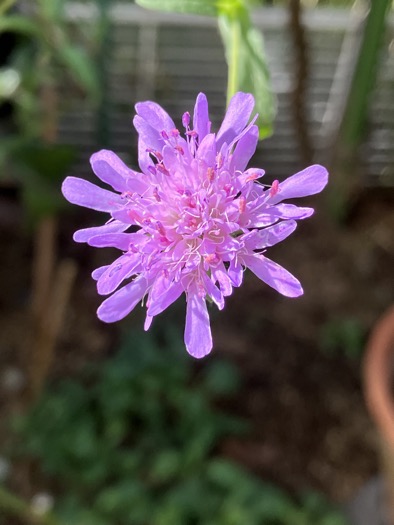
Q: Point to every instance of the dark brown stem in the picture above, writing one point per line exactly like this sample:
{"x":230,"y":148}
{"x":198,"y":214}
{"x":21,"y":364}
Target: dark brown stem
{"x":49,"y":325}
{"x":301,"y":73}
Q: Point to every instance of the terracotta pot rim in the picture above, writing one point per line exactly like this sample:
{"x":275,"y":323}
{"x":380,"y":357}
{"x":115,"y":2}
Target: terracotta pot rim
{"x":379,"y":375}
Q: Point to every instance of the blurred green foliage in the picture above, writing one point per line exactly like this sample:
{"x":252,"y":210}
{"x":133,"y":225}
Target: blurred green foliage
{"x":45,"y":63}
{"x":135,"y":442}
{"x":343,"y":336}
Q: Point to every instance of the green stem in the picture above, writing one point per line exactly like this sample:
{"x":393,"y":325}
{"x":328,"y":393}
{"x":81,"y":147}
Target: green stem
{"x":345,"y":184}
{"x":365,"y":73}
{"x":233,"y":62}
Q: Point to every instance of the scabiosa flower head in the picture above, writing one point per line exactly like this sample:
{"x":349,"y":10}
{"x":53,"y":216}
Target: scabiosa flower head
{"x":193,"y":219}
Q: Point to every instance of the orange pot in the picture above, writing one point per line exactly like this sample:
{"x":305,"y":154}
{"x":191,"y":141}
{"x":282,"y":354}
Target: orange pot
{"x":379,"y":393}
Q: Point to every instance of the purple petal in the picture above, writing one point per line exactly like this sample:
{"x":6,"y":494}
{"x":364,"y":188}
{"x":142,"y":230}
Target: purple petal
{"x":244,"y":149}
{"x":236,"y":118}
{"x":122,"y":241}
{"x":110,"y":169}
{"x":213,"y":291}
{"x":274,"y":275}
{"x":136,"y":184}
{"x":155,"y":116}
{"x":148,"y":322}
{"x":84,"y":193}
{"x":273,"y":235}
{"x":111,"y":240}
{"x":307,"y":182}
{"x":198,"y":338}
{"x":280,"y":211}
{"x":122,"y":268}
{"x":87,"y":233}
{"x":201,"y":121}
{"x":98,"y":272}
{"x":219,"y":274}
{"x":163,"y":294}
{"x":207,"y":150}
{"x":170,"y":159}
{"x":291,"y":211}
{"x":123,"y":301}
{"x":144,"y":159}
{"x":149,"y":136}
{"x":235,"y":272}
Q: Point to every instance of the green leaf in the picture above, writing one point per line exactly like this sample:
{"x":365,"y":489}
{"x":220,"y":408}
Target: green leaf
{"x":197,"y":7}
{"x":53,"y":10}
{"x":5,"y":5}
{"x":19,"y":24}
{"x":50,"y":162}
{"x":81,"y":68}
{"x":248,"y":70}
{"x":41,"y":168}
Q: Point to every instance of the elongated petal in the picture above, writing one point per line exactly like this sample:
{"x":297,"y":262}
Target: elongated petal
{"x":245,"y":149}
{"x":201,"y":121}
{"x":122,"y":241}
{"x":149,"y":136}
{"x":148,"y":322}
{"x":144,"y":159}
{"x":118,"y":271}
{"x":155,"y":115}
{"x":198,"y":338}
{"x":122,"y":302}
{"x":273,"y":235}
{"x":307,"y":182}
{"x":160,"y":301}
{"x":98,"y":272}
{"x":236,"y":118}
{"x":213,"y":291}
{"x":110,"y":169}
{"x":291,"y":211}
{"x":207,"y":150}
{"x":274,"y":275}
{"x":84,"y":193}
{"x":113,"y":240}
{"x":279,"y":211}
{"x":87,"y":233}
{"x":235,"y":272}
{"x":219,"y":273}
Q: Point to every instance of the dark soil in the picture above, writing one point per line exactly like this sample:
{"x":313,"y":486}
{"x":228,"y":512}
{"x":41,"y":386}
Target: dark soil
{"x":309,"y":425}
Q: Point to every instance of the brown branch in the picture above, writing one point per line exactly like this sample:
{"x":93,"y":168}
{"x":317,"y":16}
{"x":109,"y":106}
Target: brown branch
{"x":48,"y":327}
{"x":301,"y":73}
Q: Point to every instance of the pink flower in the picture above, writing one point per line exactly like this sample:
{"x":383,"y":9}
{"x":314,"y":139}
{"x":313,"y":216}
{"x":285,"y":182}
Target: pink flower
{"x":193,"y":220}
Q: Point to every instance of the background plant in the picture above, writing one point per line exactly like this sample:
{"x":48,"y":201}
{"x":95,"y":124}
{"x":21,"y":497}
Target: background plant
{"x":136,"y":442}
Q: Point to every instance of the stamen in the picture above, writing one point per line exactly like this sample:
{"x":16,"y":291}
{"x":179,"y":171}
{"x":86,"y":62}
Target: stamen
{"x":160,"y":228}
{"x":186,"y":119}
{"x":211,"y":258}
{"x":162,"y":169}
{"x":252,"y":176}
{"x":219,"y":161}
{"x":156,"y":195}
{"x":274,"y":188}
{"x":210,"y":174}
{"x":242,"y":204}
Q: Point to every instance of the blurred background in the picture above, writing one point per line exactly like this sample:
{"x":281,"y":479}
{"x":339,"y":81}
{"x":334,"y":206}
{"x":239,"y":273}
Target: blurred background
{"x":108,"y":425}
